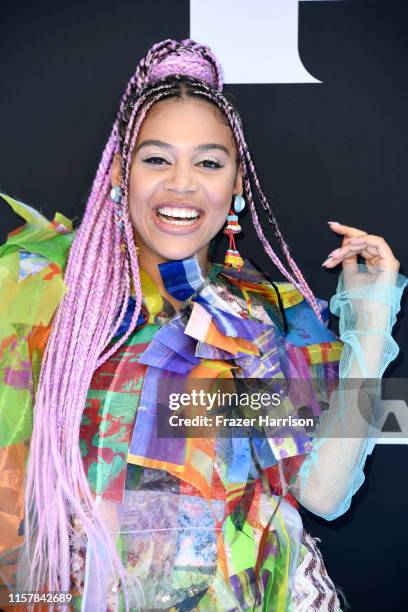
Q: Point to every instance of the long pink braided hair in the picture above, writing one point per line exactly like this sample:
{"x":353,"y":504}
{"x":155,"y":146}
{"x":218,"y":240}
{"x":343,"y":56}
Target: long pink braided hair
{"x":102,"y":271}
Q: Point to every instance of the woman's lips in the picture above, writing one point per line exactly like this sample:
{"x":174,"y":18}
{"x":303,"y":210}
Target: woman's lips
{"x":169,"y":228}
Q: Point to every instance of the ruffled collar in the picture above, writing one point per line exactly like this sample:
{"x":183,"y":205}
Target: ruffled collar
{"x":220,"y":288}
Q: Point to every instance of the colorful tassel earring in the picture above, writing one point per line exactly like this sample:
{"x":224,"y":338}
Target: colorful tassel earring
{"x":232,"y":257}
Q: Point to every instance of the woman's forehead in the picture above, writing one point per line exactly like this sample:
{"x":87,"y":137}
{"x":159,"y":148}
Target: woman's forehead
{"x":184,"y":119}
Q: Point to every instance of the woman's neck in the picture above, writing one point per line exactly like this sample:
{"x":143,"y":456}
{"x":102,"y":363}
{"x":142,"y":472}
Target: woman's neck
{"x":149,"y":262}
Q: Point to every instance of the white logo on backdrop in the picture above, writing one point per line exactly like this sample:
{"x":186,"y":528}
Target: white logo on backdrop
{"x":256,"y":41}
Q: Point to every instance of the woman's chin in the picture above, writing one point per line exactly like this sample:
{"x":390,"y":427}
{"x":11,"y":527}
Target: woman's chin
{"x":177,"y":254}
{"x":178,"y":249}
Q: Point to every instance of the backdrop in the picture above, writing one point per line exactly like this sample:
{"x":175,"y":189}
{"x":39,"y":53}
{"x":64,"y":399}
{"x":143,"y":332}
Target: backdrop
{"x":323,"y":91}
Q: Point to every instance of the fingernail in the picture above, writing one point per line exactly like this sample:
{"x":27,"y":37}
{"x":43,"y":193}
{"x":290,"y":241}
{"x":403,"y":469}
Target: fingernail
{"x":333,"y":222}
{"x":326,"y":261}
{"x":333,"y":252}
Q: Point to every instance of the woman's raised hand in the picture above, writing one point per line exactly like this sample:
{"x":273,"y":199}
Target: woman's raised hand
{"x":381,"y":264}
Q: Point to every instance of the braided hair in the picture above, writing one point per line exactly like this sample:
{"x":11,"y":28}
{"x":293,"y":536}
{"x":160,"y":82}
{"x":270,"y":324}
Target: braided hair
{"x":101,"y":274}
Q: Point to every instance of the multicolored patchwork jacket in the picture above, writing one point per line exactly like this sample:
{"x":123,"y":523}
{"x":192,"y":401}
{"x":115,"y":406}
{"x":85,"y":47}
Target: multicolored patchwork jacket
{"x":193,"y":515}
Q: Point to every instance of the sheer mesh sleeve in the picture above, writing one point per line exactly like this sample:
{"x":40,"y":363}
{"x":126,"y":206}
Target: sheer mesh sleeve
{"x":366,"y":305}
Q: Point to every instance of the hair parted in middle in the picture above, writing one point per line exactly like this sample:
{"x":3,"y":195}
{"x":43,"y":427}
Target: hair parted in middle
{"x":101,"y":276}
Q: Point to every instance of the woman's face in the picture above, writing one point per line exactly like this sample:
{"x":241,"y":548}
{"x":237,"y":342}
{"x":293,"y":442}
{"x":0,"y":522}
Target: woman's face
{"x":183,"y":178}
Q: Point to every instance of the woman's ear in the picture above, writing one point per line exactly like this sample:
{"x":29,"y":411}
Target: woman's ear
{"x":238,"y":185}
{"x":116,"y":174}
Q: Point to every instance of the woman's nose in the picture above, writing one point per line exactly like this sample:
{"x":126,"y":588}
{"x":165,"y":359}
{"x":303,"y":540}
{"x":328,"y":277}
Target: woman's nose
{"x":180,"y":179}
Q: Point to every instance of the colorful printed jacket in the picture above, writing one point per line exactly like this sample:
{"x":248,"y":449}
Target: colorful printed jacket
{"x":239,"y":325}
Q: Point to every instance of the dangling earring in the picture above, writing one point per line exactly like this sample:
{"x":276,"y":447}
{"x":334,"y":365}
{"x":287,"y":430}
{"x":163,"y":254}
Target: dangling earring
{"x":232,"y":257}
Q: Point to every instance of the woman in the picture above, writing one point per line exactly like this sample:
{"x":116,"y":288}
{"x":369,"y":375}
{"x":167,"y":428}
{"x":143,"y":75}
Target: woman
{"x":114,"y":513}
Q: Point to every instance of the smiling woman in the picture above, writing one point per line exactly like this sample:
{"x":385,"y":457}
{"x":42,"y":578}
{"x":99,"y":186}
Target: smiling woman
{"x":101,"y":326}
{"x":182,"y":181}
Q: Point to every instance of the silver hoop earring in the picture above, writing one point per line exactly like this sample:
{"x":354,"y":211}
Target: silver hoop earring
{"x":116,"y":194}
{"x":239,"y":203}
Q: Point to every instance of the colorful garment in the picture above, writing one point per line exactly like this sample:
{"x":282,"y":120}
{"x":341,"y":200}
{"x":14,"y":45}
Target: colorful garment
{"x":201,"y":523}
{"x":169,"y":484}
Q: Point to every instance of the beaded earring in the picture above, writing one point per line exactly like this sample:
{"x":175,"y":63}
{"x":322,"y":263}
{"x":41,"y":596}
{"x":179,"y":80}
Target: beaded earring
{"x":232,"y":257}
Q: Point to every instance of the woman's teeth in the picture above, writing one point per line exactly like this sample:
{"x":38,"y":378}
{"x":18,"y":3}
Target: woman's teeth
{"x":178,"y":216}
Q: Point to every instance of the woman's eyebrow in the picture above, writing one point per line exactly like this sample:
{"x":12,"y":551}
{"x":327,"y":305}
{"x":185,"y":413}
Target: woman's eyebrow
{"x":166,"y":145}
{"x":212,"y":145}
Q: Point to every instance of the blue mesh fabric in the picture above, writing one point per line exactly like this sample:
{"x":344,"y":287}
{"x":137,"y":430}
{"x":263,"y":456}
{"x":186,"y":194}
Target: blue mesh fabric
{"x":367,"y":304}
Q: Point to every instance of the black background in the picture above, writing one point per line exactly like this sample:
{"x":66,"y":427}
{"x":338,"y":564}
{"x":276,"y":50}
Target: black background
{"x":330,"y":151}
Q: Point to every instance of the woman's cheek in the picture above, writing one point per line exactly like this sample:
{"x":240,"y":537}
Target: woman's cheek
{"x":222,"y":203}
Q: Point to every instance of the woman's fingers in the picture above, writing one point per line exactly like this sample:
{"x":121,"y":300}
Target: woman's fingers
{"x":347,"y":252}
{"x":378,"y":256}
{"x":375,"y":242}
{"x":346,"y":230}
{"x":372,"y":248}
{"x":348,"y":257}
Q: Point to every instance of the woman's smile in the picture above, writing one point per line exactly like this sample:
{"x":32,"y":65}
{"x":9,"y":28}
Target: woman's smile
{"x":177,"y":218}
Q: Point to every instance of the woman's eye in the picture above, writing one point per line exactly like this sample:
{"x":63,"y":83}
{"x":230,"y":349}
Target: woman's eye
{"x":210,"y":163}
{"x":155,"y":160}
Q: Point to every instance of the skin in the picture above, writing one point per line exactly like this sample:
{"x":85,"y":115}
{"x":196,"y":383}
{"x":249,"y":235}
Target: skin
{"x":180,"y":170}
